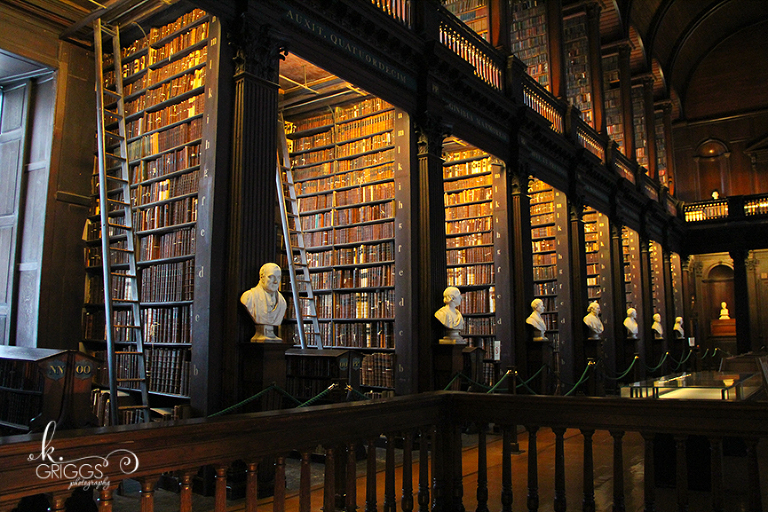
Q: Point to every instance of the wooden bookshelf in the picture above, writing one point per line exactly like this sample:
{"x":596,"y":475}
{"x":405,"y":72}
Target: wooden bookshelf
{"x":577,"y":62}
{"x":631,"y":251}
{"x":657,"y":282}
{"x":614,"y":119}
{"x":474,"y":14}
{"x":528,"y":37}
{"x":377,"y":374}
{"x":309,"y":372}
{"x":167,"y":93}
{"x":638,"y":112}
{"x":344,"y":168}
{"x":468,"y":199}
{"x":661,"y":149}
{"x":549,"y":228}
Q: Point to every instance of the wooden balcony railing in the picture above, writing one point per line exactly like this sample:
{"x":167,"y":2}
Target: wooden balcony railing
{"x":623,"y":166}
{"x":706,"y":210}
{"x":536,"y":97}
{"x":465,"y":43}
{"x":589,"y":139}
{"x":429,"y":424}
{"x":400,"y":10}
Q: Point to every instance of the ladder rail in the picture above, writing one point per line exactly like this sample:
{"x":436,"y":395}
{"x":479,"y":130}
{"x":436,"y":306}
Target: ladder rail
{"x":129,"y":294}
{"x":284,"y":166}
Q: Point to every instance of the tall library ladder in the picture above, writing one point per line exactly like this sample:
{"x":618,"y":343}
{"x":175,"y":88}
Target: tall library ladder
{"x":296,"y":250}
{"x":118,"y":248}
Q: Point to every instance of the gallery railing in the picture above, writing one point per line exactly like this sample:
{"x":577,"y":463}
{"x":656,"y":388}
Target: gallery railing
{"x":589,"y":138}
{"x":400,"y":10}
{"x":465,"y":43}
{"x":706,"y":210}
{"x":538,"y":98}
{"x":431,"y":423}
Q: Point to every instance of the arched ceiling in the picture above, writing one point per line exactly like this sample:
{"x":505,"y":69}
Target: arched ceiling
{"x":678,"y":34}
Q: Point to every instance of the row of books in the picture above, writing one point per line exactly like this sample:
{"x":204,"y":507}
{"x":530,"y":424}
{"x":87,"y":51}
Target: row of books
{"x":358,"y":109}
{"x":467,"y":183}
{"x":545,"y":259}
{"x":479,"y":325}
{"x":176,"y":87}
{"x":468,"y":196}
{"x":544,"y":196}
{"x":550,"y":320}
{"x":94,"y":289}
{"x":323,"y":307}
{"x":546,"y":244}
{"x":537,"y":209}
{"x":478,"y":301}
{"x":184,"y":158}
{"x":314,"y":157}
{"x":174,"y":113}
{"x":168,"y":370}
{"x":468,"y":211}
{"x":470,"y":239}
{"x":92,"y":255}
{"x":167,"y":245}
{"x":159,"y":33}
{"x":167,"y":325}
{"x":378,"y":370}
{"x":464,"y":154}
{"x":191,"y":60}
{"x":379,"y":141}
{"x":374,"y":304}
{"x":319,"y":367}
{"x":310,"y":123}
{"x":365,"y":277}
{"x":364,"y":233}
{"x":290,"y":334}
{"x":542,"y":232}
{"x":593,"y":268}
{"x":469,"y":226}
{"x":482,"y":166}
{"x":542,"y":219}
{"x":168,"y":214}
{"x":482,"y":254}
{"x":126,"y":369}
{"x":361,"y":254}
{"x":168,"y":282}
{"x":362,"y":127}
{"x":316,"y":140}
{"x":18,"y":374}
{"x":365,"y":194}
{"x":546,"y":288}
{"x":158,"y":142}
{"x":100,"y":400}
{"x":367,"y":213}
{"x":178,"y":44}
{"x":166,"y":189}
{"x":19,"y":408}
{"x":323,"y":178}
{"x":365,"y":335}
{"x":471,"y":275}
{"x":121,"y":285}
{"x":548,"y":272}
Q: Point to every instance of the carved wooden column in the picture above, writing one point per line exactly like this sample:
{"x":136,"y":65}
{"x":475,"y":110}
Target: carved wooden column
{"x":557,"y":70}
{"x":429,"y":242}
{"x":666,"y":109}
{"x":669,"y":307}
{"x":596,"y":67}
{"x":741,"y":292}
{"x":625,"y":87}
{"x":582,"y":349}
{"x":251,"y":234}
{"x":623,"y":353}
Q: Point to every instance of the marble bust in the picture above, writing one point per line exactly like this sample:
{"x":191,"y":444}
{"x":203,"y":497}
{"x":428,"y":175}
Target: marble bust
{"x":265,"y":303}
{"x":451,"y":317}
{"x":630,"y":323}
{"x":535,"y":320}
{"x":593,"y":322}
{"x":658,"y":331}
{"x":678,"y":328}
{"x":724,"y":315}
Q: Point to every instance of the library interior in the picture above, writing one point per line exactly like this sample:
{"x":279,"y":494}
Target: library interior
{"x":358,"y":238}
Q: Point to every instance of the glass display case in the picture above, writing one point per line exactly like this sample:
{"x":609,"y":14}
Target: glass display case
{"x":709,"y":385}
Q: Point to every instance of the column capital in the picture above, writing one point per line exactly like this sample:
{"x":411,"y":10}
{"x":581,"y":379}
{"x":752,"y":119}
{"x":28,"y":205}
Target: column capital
{"x":257,"y":49}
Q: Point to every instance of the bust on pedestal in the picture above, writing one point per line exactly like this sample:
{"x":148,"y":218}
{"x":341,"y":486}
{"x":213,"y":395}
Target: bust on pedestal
{"x":724,"y":315}
{"x":451,"y":317}
{"x":536,"y":322}
{"x":630,"y":324}
{"x":593,"y":322}
{"x":658,"y":331}
{"x":678,"y":328}
{"x":265,"y":304}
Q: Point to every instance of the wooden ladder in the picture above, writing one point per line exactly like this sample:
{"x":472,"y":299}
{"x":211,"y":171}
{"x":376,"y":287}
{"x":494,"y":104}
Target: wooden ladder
{"x":304,"y":301}
{"x":125,"y":346}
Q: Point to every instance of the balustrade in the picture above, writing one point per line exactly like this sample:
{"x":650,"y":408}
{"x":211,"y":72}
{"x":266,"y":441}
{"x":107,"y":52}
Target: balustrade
{"x":469,"y":46}
{"x":434,"y":421}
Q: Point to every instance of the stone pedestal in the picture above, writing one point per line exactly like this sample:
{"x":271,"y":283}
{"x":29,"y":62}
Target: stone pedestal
{"x":451,"y":337}
{"x":265,"y":334}
{"x":593,"y":350}
{"x":540,"y":352}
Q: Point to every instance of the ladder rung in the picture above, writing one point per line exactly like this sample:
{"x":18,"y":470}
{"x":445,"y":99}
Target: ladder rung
{"x":126,"y":326}
{"x":115,"y":178}
{"x":109,"y":113}
{"x":120,"y":249}
{"x":117,"y":201}
{"x":131,"y":407}
{"x":115,"y":157}
{"x":113,"y":134}
{"x":128,"y":353}
{"x":111,"y":93}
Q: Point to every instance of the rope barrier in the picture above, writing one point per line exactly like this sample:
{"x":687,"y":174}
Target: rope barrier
{"x":653,"y":369}
{"x":682,"y":361}
{"x":582,"y":379}
{"x":469,"y":380}
{"x":502,"y":379}
{"x":352,"y":390}
{"x":626,"y":372}
{"x":318,"y":397}
{"x":251,"y":399}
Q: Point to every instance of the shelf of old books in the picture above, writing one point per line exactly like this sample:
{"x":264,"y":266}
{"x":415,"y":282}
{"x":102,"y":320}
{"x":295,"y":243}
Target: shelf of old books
{"x":657,"y":280}
{"x":468,"y":199}
{"x":596,"y":251}
{"x":614,"y":120}
{"x":343,"y":161}
{"x":577,"y":62}
{"x":638,"y":112}
{"x":630,"y":241}
{"x":549,"y":243}
{"x":661,"y":149}
{"x":166,"y":95}
{"x":528,"y":37}
{"x":474,"y":14}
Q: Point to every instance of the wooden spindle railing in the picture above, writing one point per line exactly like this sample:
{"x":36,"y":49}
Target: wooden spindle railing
{"x":400,"y":10}
{"x":542,"y":102}
{"x":183,"y":447}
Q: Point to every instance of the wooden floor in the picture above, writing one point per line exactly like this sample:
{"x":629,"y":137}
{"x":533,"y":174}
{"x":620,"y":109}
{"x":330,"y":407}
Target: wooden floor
{"x":603,"y":455}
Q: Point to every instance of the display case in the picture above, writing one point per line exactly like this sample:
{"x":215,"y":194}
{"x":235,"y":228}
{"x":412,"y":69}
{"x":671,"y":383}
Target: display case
{"x":707,"y":385}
